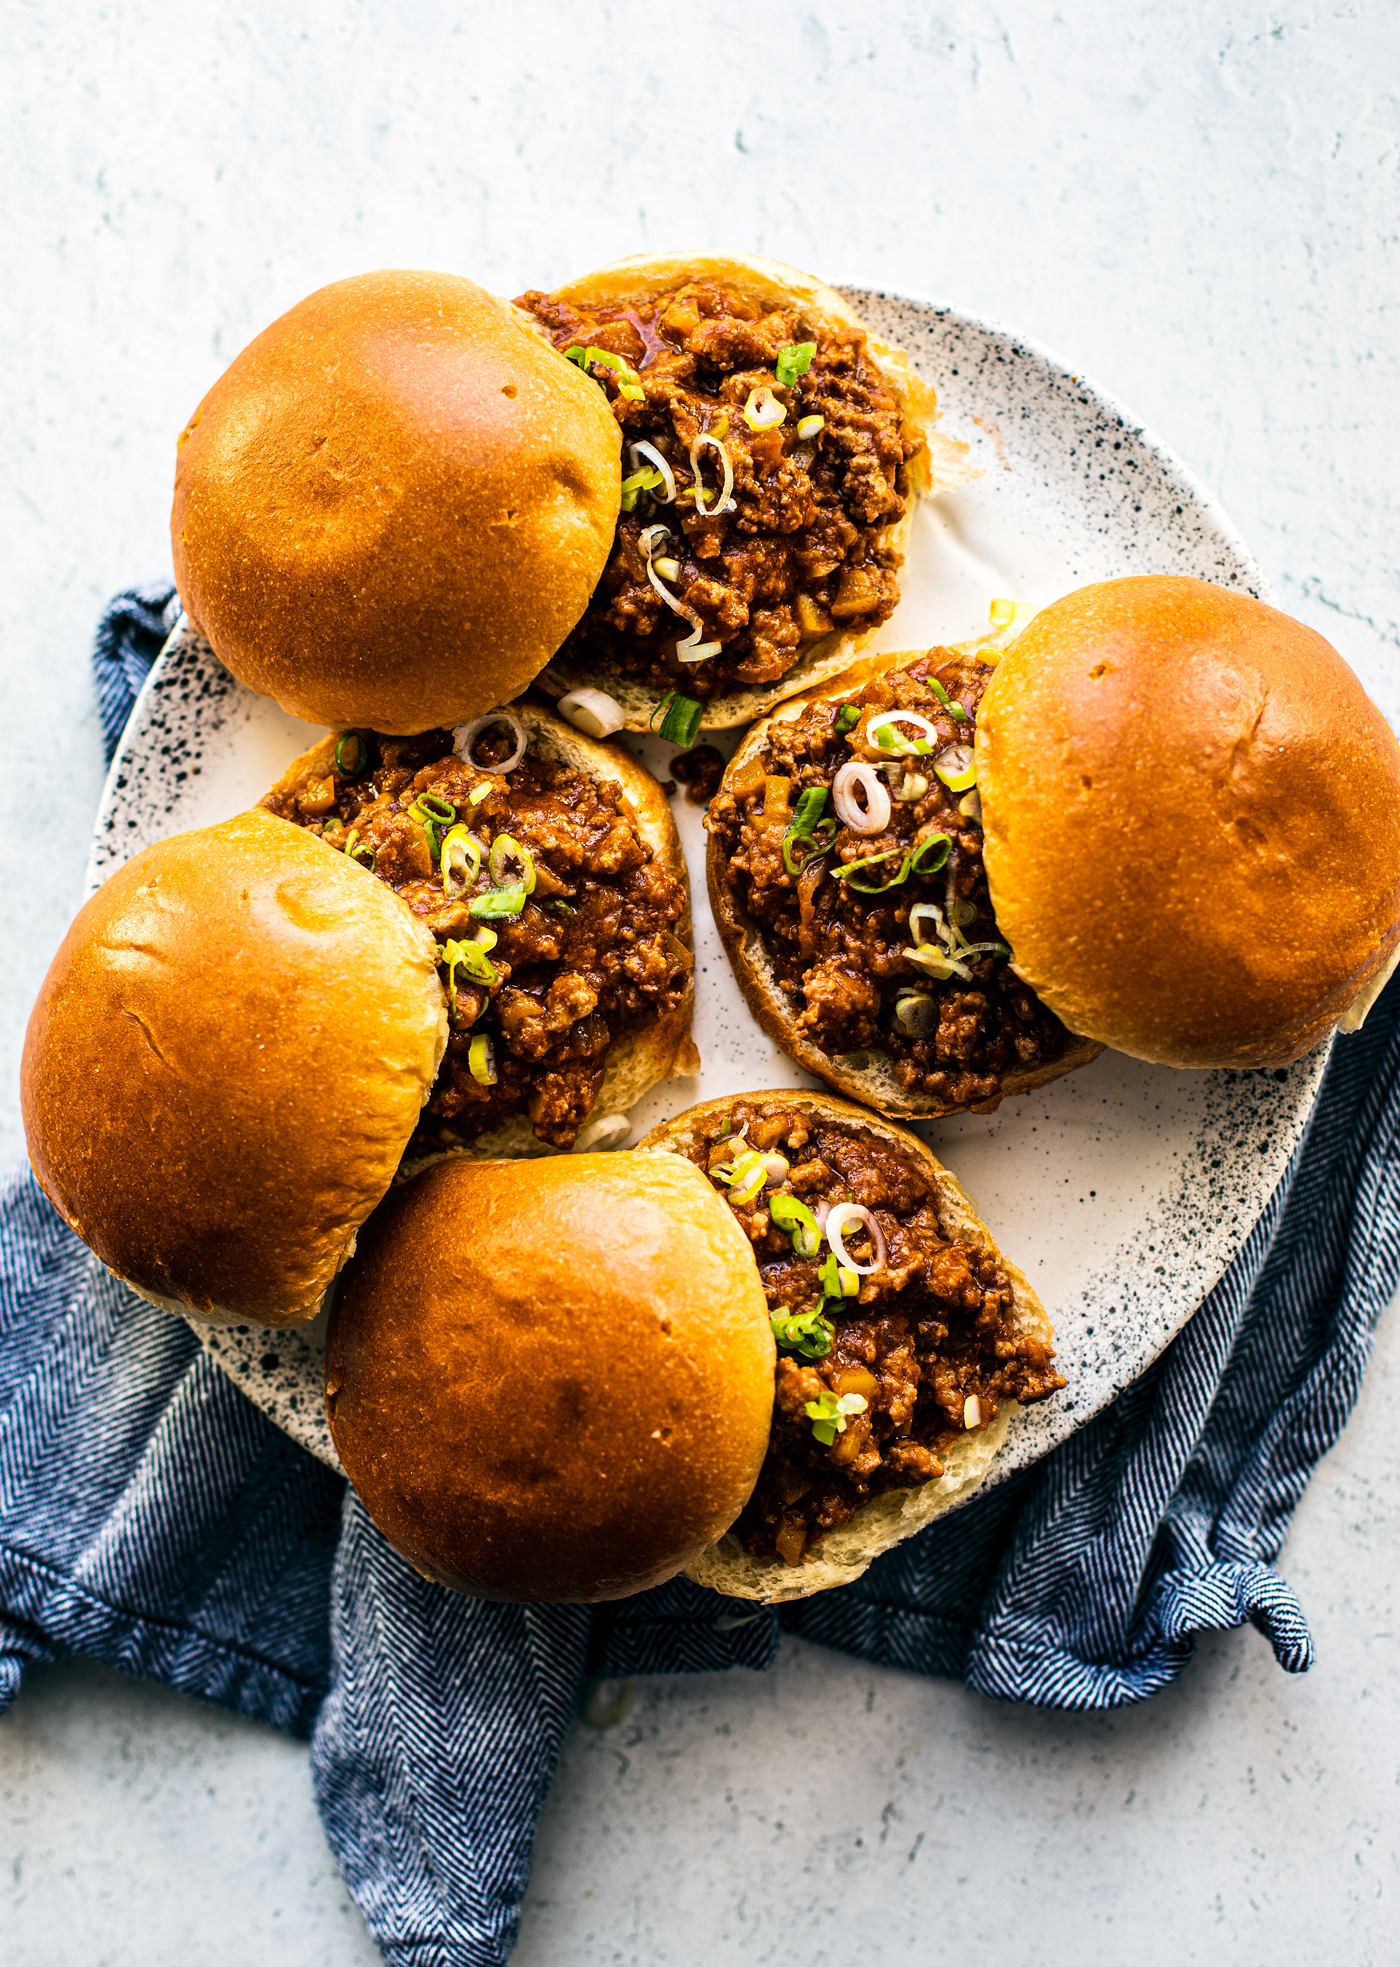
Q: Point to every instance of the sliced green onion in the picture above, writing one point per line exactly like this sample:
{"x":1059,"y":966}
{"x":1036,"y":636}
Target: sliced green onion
{"x":680,"y":718}
{"x":916,"y":1013}
{"x":356,"y":850}
{"x":809,"y":426}
{"x":510,"y":865}
{"x":919,"y":863}
{"x":461,"y":862}
{"x":852,"y":868}
{"x":474,"y":961}
{"x":497,"y":902}
{"x":442,"y":810}
{"x":743,"y":1178}
{"x":604,"y":358}
{"x":836,"y":1280}
{"x":953,"y":709}
{"x":360,"y":740}
{"x":425,"y":809}
{"x":481,"y":1059}
{"x":829,"y":1413}
{"x":957,"y":767}
{"x":808,"y":825}
{"x":558,"y":907}
{"x":794,"y":361}
{"x":485,"y":938}
{"x":762,"y":410}
{"x":847,"y":717}
{"x":478,"y":793}
{"x":636,"y":484}
{"x":806,"y":1333}
{"x":797,"y":1219}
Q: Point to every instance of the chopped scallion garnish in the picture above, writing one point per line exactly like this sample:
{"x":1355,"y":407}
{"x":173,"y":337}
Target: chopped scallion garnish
{"x":806,"y":1333}
{"x":481,"y":1060}
{"x":358,"y":760}
{"x":953,"y":709}
{"x":797,"y":1219}
{"x":794,"y":361}
{"x":808,"y":827}
{"x":829,"y":1414}
{"x":847,"y":717}
{"x":355,"y":849}
{"x":679,"y":717}
{"x":603,"y":358}
{"x":497,"y":902}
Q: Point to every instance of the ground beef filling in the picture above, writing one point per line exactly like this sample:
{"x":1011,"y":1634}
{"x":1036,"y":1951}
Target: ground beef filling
{"x":804,"y":549}
{"x":931,"y":1332}
{"x":591,"y":956}
{"x":843,"y":955}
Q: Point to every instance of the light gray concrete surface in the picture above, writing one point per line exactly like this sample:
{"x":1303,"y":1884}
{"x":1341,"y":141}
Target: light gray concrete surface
{"x":1197,"y":205}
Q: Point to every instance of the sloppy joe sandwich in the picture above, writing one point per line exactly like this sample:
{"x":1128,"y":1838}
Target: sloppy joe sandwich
{"x":394,"y":505}
{"x":773,"y":451}
{"x":905,"y":1339}
{"x":548,"y":871}
{"x":226,"y":1061}
{"x":1192,"y":824}
{"x":847,"y":881}
{"x":552,"y":1379}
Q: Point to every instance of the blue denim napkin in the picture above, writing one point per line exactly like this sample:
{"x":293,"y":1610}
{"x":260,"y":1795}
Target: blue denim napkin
{"x":151,"y":1517}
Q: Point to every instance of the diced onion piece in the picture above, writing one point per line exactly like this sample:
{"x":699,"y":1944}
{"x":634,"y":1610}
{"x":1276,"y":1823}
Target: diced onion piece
{"x":970,"y":806}
{"x":604,"y":1131}
{"x":481,"y":1058}
{"x":887,"y":719}
{"x":465,"y":735}
{"x":956,"y":767}
{"x":593,"y":712}
{"x":668,"y":568}
{"x":777,"y":797}
{"x":845,"y":1216}
{"x":653,"y":456}
{"x":724,"y":501}
{"x":809,"y":426}
{"x":777,"y":1167}
{"x":911,"y":787}
{"x":762,"y":410}
{"x":852,"y":1403}
{"x":876,"y":816}
{"x":972,"y":1411}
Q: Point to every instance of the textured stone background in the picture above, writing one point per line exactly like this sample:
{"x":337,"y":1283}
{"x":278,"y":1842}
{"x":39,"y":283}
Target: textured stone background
{"x":1197,"y":205}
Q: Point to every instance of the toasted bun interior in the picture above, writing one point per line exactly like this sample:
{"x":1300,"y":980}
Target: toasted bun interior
{"x":844,"y":1554}
{"x":1192,"y":822}
{"x":225,"y":1063}
{"x":552,"y":1380}
{"x":394,"y":505}
{"x":769,"y":285}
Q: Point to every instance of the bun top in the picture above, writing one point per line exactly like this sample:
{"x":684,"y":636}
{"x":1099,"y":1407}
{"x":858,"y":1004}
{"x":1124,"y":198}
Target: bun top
{"x":1192,"y":823}
{"x":552,"y":1380}
{"x":394,"y":505}
{"x":226,"y":1060}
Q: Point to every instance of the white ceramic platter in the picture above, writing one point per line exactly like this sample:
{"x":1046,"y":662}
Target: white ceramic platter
{"x":1123,"y":1190}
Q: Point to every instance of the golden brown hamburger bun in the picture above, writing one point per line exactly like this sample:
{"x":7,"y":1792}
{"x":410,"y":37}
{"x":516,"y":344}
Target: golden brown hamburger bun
{"x":658,"y":1049}
{"x":867,"y":1075}
{"x":394,"y":505}
{"x":1192,"y":815}
{"x":214,"y":1096}
{"x":940,"y":465}
{"x":842,"y":1554}
{"x":552,"y":1380}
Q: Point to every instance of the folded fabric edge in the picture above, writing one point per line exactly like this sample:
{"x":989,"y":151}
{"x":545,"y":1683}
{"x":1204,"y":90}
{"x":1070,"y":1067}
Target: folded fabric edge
{"x":148,"y":1649}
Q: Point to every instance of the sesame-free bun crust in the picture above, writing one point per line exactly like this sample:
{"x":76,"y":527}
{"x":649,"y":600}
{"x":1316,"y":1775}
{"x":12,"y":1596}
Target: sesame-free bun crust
{"x":552,"y":1381}
{"x":771,"y":285}
{"x":394,"y":505}
{"x":843,"y":1554}
{"x":867,"y":1076}
{"x":225,"y":1063}
{"x":637,"y":1060}
{"x":1192,"y":823}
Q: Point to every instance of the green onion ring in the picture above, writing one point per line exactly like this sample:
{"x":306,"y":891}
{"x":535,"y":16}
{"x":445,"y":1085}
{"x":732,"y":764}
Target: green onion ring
{"x":481,"y":1060}
{"x":506,"y":848}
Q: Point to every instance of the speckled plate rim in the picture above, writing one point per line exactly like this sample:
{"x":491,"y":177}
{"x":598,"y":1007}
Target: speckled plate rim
{"x":280,"y":1371}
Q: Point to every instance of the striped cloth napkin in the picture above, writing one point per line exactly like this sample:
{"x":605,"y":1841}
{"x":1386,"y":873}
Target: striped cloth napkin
{"x":152,"y":1518}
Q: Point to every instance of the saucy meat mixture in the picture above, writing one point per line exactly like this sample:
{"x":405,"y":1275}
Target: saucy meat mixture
{"x":884,"y":1360}
{"x":761,"y":475}
{"x":882,"y":930}
{"x":554,"y":919}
